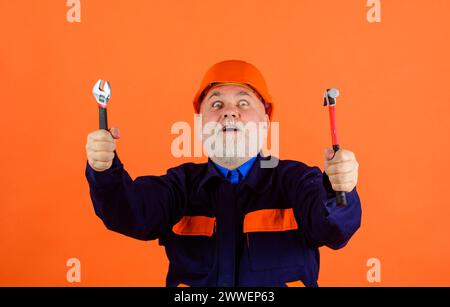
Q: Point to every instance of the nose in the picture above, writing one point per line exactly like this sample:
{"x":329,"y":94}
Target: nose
{"x":230,"y":113}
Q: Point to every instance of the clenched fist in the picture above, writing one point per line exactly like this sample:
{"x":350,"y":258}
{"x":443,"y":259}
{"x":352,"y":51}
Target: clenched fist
{"x":100,"y":148}
{"x":342,"y":170}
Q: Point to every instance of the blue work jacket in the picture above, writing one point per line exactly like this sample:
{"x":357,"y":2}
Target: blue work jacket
{"x":264,"y":231}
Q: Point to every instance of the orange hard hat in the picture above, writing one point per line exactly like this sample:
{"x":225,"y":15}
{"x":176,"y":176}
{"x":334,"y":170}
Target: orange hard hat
{"x":238,"y":73}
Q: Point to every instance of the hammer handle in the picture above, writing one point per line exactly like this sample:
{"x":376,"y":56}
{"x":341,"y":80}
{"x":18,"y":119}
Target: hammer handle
{"x":334,"y":133}
{"x":341,"y":199}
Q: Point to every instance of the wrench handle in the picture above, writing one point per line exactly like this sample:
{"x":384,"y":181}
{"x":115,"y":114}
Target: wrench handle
{"x":103,"y":119}
{"x":341,"y":198}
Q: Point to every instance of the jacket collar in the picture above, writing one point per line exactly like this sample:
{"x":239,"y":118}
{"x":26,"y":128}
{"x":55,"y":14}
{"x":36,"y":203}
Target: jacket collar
{"x":258,"y":179}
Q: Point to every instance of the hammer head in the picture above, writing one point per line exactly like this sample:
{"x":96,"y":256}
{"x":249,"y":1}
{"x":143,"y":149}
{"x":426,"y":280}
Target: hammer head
{"x":330,"y":96}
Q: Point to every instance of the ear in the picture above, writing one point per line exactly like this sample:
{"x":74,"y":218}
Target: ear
{"x":267,"y":121}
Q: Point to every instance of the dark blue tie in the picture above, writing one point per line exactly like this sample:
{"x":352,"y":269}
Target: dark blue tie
{"x":234,"y":176}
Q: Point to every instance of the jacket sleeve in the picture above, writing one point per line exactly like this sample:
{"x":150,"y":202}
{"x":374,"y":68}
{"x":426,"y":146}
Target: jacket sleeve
{"x":319,"y":218}
{"x":144,"y":208}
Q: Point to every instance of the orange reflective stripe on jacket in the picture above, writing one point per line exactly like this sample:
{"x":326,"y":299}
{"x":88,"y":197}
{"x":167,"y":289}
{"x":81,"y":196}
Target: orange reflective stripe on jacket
{"x":270,"y":220}
{"x":195,"y":226}
{"x":297,"y":283}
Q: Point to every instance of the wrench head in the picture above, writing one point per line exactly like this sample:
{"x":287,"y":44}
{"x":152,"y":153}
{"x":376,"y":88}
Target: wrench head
{"x":329,"y":98}
{"x":102,"y":92}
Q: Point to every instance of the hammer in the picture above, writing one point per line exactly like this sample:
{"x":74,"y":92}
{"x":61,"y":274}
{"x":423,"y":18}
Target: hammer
{"x":330,"y":100}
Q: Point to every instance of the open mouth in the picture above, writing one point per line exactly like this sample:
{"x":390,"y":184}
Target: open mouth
{"x":230,"y":129}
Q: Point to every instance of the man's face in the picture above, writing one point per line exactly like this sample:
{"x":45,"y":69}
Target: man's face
{"x":229,"y":114}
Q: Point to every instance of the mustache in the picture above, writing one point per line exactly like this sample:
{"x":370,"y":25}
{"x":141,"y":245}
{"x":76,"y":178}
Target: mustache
{"x":216,"y":128}
{"x":229,"y":125}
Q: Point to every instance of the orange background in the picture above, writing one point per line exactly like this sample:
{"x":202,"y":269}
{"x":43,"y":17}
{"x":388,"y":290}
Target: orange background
{"x":393,"y":113}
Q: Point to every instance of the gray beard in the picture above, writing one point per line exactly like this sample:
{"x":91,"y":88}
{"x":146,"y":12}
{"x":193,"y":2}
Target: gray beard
{"x":234,"y":151}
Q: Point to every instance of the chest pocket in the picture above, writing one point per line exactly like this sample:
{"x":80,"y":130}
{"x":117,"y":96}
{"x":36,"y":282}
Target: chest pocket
{"x":273,"y":240}
{"x":192,"y":247}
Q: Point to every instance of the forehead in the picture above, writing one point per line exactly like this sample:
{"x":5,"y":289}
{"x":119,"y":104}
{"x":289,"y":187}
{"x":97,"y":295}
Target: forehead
{"x":229,"y":90}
